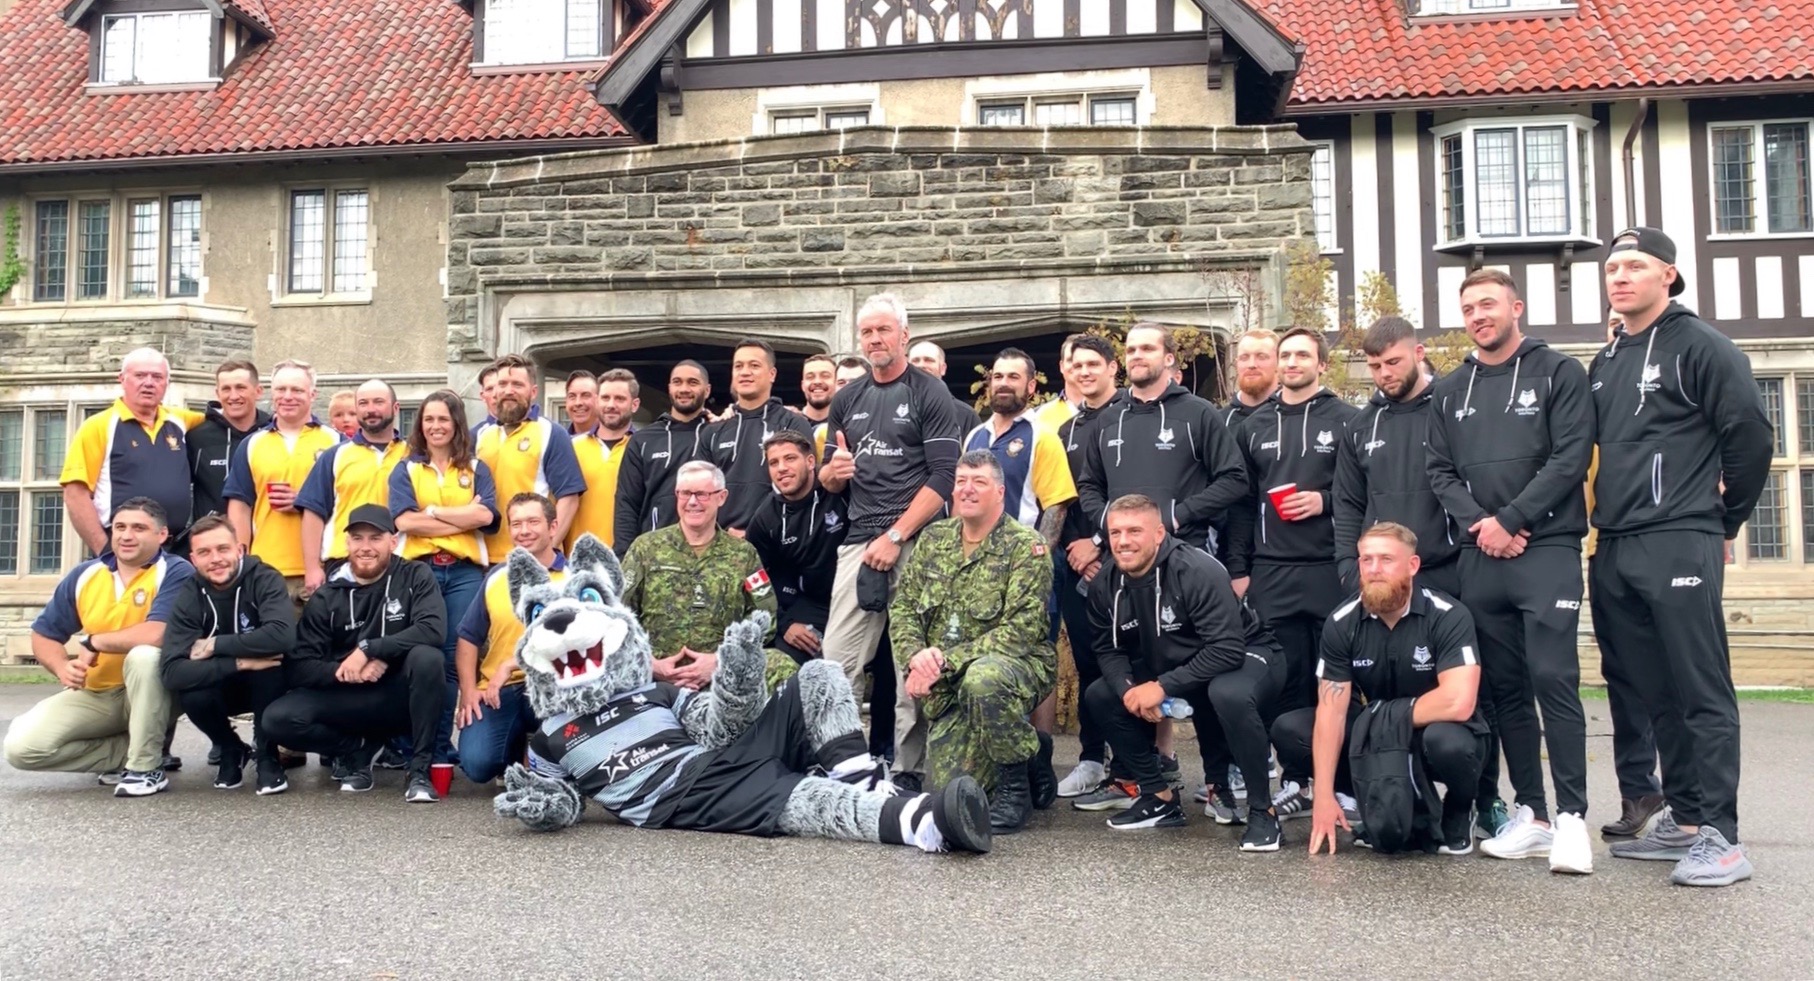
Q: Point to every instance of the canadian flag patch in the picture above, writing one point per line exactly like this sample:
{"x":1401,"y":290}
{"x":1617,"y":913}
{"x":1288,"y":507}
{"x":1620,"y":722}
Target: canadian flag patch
{"x":756,"y":584}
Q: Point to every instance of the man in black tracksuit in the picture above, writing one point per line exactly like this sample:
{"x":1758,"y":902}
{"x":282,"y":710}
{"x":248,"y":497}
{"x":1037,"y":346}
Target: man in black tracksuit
{"x":1256,"y":381}
{"x":1290,"y":544}
{"x":231,"y":625}
{"x":735,"y":442}
{"x":796,"y":532}
{"x":1167,"y":624}
{"x":654,"y":453}
{"x":368,"y":662}
{"x":1509,"y":447}
{"x":231,"y":417}
{"x":1679,"y":414}
{"x":1382,"y":474}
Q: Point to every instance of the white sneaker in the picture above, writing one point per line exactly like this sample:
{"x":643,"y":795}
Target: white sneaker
{"x":1569,"y":850}
{"x":1522,"y":837}
{"x":1083,"y":778}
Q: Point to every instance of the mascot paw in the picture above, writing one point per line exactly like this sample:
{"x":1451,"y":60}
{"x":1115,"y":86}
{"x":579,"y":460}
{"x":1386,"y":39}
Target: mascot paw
{"x":541,"y":803}
{"x":750,"y":632}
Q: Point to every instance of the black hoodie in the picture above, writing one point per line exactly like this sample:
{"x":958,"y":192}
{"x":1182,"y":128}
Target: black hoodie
{"x":250,"y":616}
{"x":400,"y":610}
{"x":211,"y":447}
{"x":645,"y":480}
{"x":735,"y":445}
{"x":1174,"y":450}
{"x":1076,"y":433}
{"x":1180,"y":624}
{"x":1382,"y":474}
{"x":1288,"y":444}
{"x":1513,"y":441}
{"x":1679,"y":411}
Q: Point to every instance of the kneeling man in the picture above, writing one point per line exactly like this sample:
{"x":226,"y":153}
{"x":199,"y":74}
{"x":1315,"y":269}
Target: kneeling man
{"x":232,"y":625}
{"x":114,"y":710}
{"x":1394,"y":644}
{"x":368,"y":662}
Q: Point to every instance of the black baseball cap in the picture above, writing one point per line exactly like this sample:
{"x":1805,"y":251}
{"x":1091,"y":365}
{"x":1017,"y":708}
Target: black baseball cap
{"x":1650,"y":241}
{"x":376,"y":515}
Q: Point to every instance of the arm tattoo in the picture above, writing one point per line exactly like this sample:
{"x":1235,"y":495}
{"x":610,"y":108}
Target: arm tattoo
{"x":1334,"y":689}
{"x":1051,"y":523}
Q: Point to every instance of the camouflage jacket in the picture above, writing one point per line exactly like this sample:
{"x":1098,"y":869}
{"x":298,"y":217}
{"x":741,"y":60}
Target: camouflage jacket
{"x":685,"y":599}
{"x":992,"y":603}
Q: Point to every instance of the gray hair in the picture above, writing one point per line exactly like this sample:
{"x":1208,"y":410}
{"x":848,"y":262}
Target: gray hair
{"x":701,"y":466}
{"x":145,"y":354}
{"x":885,"y":303}
{"x":299,"y":365}
{"x":983,"y":460}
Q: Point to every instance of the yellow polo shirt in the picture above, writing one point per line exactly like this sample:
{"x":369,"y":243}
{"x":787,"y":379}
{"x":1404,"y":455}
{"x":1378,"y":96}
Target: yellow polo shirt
{"x":416,"y":486}
{"x":352,"y":473}
{"x":267,"y":457}
{"x":535,"y":457}
{"x":599,"y":463}
{"x":491,"y":623}
{"x":94,"y":599}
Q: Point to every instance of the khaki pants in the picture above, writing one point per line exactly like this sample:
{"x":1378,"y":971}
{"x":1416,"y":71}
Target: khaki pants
{"x":96,"y":731}
{"x":851,"y":636}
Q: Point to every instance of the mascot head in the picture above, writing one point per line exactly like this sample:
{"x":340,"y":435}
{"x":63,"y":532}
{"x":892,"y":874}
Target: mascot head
{"x":581,"y":645}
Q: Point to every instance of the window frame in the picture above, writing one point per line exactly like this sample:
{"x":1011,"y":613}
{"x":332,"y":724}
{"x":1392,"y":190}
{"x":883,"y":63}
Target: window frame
{"x":1760,"y":184}
{"x":485,"y":57}
{"x":1084,"y":99}
{"x":1328,"y":239}
{"x":211,"y":59}
{"x":1488,"y":8}
{"x":31,"y":484}
{"x":286,"y":269}
{"x":120,"y":251}
{"x":819,"y":115}
{"x":1790,"y":464}
{"x":1578,"y":172}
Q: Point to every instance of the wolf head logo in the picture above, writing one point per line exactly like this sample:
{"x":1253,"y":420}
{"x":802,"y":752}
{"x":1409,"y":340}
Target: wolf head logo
{"x":1527,"y":398}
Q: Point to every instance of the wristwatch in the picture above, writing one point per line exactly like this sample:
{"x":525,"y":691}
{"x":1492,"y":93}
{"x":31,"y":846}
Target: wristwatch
{"x":88,"y":643}
{"x":894,"y":537}
{"x":364,"y":647}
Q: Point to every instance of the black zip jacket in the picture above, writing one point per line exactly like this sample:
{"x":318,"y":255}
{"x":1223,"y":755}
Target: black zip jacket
{"x":798,"y":544}
{"x":735,"y":445}
{"x":1679,"y":411}
{"x":211,"y":447}
{"x":1513,"y":441}
{"x":400,"y":610}
{"x":251,"y":616}
{"x":1382,"y":474}
{"x":1233,"y":414}
{"x":1180,"y":624}
{"x":645,"y":480}
{"x":1076,"y":433}
{"x":1174,"y":450}
{"x":1288,"y":444}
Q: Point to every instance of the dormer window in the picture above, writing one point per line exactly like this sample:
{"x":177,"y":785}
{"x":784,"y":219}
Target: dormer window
{"x":156,"y":48}
{"x":544,"y":32}
{"x":1450,"y":8}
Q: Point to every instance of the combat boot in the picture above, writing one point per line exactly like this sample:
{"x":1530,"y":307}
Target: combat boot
{"x":1040,"y":776}
{"x":1011,"y":805}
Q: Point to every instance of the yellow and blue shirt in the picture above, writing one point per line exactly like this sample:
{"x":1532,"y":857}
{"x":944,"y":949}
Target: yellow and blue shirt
{"x":118,"y":458}
{"x":535,"y":457}
{"x":1054,"y":413}
{"x":268,"y":457}
{"x":491,"y":623}
{"x":1036,"y":473}
{"x":95,"y":599}
{"x":352,"y":473}
{"x":599,"y":463}
{"x":415,"y":485}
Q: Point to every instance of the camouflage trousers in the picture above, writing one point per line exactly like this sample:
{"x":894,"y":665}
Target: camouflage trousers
{"x":978,"y":719}
{"x":777,"y":670}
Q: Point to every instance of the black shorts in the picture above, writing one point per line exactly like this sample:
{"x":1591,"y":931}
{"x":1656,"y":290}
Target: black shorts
{"x":742,"y":788}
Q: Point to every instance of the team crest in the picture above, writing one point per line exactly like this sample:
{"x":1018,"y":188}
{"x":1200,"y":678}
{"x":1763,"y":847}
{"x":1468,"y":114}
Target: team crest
{"x":1167,"y":617}
{"x":138,"y":597}
{"x":1421,"y":655}
{"x":1165,"y":436}
{"x":393,"y":608}
{"x":1527,"y":398}
{"x":465,"y":480}
{"x":1324,"y":440}
{"x":245,"y":623}
{"x":831,"y":521}
{"x":522,"y":445}
{"x":900,"y":411}
{"x":1015,"y":445}
{"x":171,"y":442}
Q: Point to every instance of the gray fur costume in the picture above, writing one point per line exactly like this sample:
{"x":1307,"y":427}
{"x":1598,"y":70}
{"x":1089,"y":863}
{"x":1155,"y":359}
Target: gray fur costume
{"x":587,"y":662}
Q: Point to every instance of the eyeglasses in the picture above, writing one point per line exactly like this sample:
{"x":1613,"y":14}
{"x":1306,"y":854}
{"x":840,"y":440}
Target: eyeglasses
{"x":687,"y":495}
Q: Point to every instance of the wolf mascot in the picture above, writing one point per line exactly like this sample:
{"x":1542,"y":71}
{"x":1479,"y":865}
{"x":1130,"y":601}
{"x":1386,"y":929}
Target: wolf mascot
{"x":728,"y":759}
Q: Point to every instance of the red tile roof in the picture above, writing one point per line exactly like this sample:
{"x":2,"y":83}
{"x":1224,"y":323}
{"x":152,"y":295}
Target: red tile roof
{"x":253,"y":11}
{"x":1368,"y":50}
{"x":336,"y":74}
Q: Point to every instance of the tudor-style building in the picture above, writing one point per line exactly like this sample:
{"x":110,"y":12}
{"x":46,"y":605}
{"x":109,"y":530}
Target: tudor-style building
{"x":1524,"y":134}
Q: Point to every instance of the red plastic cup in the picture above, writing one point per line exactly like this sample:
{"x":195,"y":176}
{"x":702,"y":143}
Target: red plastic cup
{"x":1278,"y":495}
{"x":441,"y":775}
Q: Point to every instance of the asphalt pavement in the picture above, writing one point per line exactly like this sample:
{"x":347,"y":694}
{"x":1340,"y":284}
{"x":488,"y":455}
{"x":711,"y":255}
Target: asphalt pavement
{"x":315,"y":883}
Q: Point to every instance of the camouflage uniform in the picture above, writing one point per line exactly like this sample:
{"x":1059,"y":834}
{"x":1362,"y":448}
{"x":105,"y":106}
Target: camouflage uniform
{"x":987,"y":614}
{"x":685,"y":599}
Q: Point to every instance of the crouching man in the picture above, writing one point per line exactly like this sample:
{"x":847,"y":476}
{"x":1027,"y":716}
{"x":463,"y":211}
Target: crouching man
{"x":229,"y":631}
{"x":368,"y":662}
{"x":1395,"y":644}
{"x":114,"y":709}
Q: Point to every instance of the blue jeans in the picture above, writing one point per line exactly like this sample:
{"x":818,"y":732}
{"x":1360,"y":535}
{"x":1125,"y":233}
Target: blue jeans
{"x":496,"y":738}
{"x":460,"y":584}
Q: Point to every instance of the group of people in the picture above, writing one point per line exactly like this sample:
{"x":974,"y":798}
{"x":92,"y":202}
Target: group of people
{"x":1347,"y":588}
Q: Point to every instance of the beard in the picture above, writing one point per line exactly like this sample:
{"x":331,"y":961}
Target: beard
{"x":1256,"y":388}
{"x":1007,"y":403}
{"x":819,"y":400}
{"x":1383,"y":597}
{"x":510,"y":412}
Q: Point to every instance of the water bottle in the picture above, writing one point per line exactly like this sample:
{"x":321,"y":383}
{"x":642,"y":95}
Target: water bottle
{"x":1175,"y":708}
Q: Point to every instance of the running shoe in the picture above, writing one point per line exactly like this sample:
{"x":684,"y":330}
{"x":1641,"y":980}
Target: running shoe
{"x":1147,"y":812}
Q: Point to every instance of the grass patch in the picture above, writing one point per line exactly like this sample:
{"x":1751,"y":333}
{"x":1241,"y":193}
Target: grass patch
{"x":1797,"y":696}
{"x":20,"y":674}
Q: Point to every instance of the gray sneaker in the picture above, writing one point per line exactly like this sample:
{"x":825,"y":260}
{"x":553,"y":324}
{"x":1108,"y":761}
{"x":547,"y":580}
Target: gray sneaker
{"x":1116,"y":795}
{"x":1712,"y":861}
{"x":1666,"y":842}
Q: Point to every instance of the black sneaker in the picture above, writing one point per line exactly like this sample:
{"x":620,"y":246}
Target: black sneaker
{"x":421,"y":790}
{"x":231,"y":766}
{"x":172,"y":763}
{"x":908,"y":784}
{"x":214,"y":757}
{"x":1457,"y":832}
{"x":1149,"y":811}
{"x":359,"y":777}
{"x":390,"y":759}
{"x":1262,"y":831}
{"x":1170,"y":771}
{"x":339,"y":772}
{"x":271,"y":778}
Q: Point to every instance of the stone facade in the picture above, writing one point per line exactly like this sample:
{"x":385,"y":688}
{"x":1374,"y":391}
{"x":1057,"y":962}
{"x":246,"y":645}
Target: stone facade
{"x":57,"y":346}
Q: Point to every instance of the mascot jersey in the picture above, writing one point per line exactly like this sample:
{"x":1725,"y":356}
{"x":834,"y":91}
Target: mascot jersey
{"x":628,"y":757}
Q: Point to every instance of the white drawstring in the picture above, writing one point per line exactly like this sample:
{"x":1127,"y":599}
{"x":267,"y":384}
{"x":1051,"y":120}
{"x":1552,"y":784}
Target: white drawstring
{"x":1643,"y":393}
{"x":1304,"y":435}
{"x":1373,"y":437}
{"x":1509,"y":396}
{"x":1469,"y":397}
{"x":1120,"y":423}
